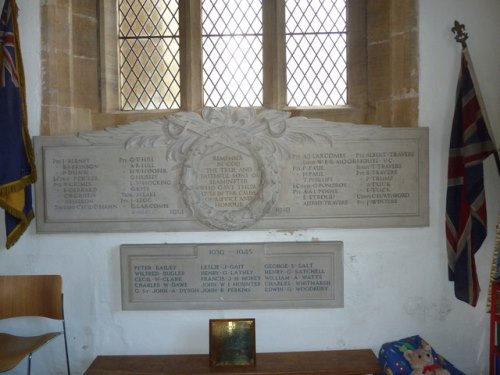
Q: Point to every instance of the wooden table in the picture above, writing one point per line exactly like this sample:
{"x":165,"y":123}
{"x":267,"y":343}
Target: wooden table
{"x":333,"y":362}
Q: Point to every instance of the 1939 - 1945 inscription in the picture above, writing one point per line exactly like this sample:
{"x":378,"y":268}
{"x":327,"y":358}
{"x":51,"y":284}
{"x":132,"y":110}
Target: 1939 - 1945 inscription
{"x":248,"y":275}
{"x":233,"y":169}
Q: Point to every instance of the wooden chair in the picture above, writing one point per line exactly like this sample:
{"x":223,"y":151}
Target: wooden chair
{"x":24,"y":296}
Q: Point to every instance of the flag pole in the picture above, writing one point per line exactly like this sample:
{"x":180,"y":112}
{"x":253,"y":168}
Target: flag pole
{"x":466,"y":216}
{"x":461,"y":37}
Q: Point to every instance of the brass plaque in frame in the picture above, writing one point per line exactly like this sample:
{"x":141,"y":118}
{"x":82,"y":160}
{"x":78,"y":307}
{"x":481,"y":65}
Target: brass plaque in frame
{"x":232,"y":342}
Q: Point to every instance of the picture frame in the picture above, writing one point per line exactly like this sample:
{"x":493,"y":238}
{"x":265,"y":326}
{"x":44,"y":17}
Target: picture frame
{"x":232,"y":342}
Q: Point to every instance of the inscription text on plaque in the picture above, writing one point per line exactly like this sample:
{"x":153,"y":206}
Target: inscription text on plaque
{"x":233,"y":169}
{"x":247,"y":275}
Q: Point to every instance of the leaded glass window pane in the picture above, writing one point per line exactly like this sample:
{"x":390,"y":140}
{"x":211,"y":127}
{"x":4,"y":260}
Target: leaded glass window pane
{"x":149,"y":54}
{"x":232,"y":52}
{"x":316,"y":54}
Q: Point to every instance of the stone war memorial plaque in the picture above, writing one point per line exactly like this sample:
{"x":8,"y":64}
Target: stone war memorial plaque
{"x":232,"y":169}
{"x":232,"y":276}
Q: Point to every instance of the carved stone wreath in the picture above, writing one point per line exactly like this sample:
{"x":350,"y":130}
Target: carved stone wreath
{"x":264,"y":137}
{"x":265,"y":197}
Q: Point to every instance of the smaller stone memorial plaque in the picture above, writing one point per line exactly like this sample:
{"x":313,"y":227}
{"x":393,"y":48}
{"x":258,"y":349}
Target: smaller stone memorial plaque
{"x":232,"y":276}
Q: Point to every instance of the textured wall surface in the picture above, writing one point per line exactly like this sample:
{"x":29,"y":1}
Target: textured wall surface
{"x":395,"y":279}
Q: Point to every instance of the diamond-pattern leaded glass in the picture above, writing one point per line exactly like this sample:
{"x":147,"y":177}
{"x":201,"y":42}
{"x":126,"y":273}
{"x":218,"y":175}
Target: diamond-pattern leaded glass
{"x":316,"y":41}
{"x":232,"y":52}
{"x":149,"y":54}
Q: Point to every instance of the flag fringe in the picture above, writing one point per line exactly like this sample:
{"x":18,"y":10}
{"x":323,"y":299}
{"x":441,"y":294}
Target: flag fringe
{"x":17,"y":185}
{"x":494,"y":266}
{"x":12,"y":211}
{"x":18,"y":231}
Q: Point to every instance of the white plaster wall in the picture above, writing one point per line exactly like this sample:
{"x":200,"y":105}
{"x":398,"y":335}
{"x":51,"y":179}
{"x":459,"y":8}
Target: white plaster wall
{"x":395,"y":279}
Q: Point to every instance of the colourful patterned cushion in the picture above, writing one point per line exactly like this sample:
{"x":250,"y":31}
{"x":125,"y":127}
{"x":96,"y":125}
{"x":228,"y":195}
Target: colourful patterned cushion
{"x":392,"y":360}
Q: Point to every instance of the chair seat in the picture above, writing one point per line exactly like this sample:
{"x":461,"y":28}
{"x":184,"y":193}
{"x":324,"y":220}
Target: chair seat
{"x":13,"y":349}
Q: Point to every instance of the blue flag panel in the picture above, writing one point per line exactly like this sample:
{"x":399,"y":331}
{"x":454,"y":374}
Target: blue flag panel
{"x":17,"y":168}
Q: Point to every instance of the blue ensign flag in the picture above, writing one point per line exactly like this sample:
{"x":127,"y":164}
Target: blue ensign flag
{"x":17,"y":167}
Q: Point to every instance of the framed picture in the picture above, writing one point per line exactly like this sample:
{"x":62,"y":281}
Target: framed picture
{"x":232,"y":342}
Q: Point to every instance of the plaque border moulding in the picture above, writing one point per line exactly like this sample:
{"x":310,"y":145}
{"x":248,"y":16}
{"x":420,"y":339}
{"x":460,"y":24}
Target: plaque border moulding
{"x":150,"y":271}
{"x":264,"y":138}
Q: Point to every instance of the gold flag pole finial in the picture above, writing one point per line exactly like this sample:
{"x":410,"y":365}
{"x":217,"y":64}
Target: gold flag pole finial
{"x":460,"y":34}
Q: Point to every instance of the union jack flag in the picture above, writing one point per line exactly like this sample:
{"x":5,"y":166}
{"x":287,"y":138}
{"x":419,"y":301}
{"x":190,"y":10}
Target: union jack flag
{"x":470,"y":144}
{"x":7,"y":41}
{"x":17,"y":167}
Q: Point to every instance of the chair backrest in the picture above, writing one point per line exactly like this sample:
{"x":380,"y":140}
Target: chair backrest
{"x":31,"y":295}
